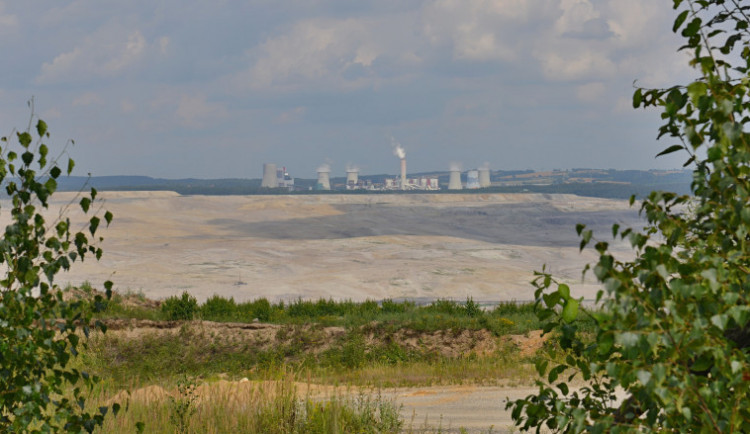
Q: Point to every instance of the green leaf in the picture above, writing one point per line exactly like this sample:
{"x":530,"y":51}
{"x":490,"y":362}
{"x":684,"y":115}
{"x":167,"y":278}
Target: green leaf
{"x":108,"y":217}
{"x":24,"y":139}
{"x":704,"y":362}
{"x":679,"y":20}
{"x":55,"y":172}
{"x":41,"y":128}
{"x":720,"y":321}
{"x":85,"y":204}
{"x":637,"y":98}
{"x":71,"y":165}
{"x":551,"y":299}
{"x":555,"y":372}
{"x":564,"y":291}
{"x":643,"y":376}
{"x":570,"y":310}
{"x":669,"y":150}
{"x":605,"y":342}
{"x":93,"y":225}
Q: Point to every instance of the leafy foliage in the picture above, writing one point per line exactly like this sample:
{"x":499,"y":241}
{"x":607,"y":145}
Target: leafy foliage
{"x":183,"y":307}
{"x":40,"y":331}
{"x":674,"y":332}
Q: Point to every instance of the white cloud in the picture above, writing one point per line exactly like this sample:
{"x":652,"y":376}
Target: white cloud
{"x":478,"y":29}
{"x":591,"y":92}
{"x":196,"y":112}
{"x":334,"y":53}
{"x":104,"y":53}
{"x":312,"y":51}
{"x":128,"y":54}
{"x":292,"y":115}
{"x":575,"y":14}
{"x":577,"y":65}
{"x":86,"y":99}
{"x":126,"y":106}
{"x":8,"y":22}
{"x":164,"y":44}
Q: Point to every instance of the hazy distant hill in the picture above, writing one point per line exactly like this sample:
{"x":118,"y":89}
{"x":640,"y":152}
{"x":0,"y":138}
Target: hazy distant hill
{"x":583,"y":182}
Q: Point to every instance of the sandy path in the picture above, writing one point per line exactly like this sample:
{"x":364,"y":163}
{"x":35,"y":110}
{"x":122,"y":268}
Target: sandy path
{"x":474,"y":408}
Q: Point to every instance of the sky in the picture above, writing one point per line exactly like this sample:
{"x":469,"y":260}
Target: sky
{"x":213,"y":89}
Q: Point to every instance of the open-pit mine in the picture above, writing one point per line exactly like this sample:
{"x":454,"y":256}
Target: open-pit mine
{"x":376,"y":246}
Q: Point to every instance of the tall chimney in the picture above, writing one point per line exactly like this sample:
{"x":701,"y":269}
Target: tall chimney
{"x":484,"y":177}
{"x":403,"y":174}
{"x":269,"y":176}
{"x":454,"y":183}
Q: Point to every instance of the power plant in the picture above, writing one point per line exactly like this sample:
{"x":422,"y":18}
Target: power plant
{"x":484,"y":177}
{"x":269,"y":176}
{"x":352,"y":177}
{"x":475,"y":178}
{"x":403,"y":173}
{"x":454,"y":182}
{"x":472,"y":179}
{"x":324,"y":180}
{"x":276,"y":178}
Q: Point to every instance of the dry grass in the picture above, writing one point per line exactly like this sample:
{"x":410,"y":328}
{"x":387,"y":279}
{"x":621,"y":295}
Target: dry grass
{"x":279,"y":406}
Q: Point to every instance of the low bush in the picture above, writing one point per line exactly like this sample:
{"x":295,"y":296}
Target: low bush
{"x":180,"y":308}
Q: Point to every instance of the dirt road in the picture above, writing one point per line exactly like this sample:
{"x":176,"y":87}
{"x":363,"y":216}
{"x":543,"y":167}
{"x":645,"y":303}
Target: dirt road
{"x":476,"y":409}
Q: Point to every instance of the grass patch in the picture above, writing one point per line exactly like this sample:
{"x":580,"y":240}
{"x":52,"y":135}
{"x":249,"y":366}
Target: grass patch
{"x":504,"y":318}
{"x":264,"y":407}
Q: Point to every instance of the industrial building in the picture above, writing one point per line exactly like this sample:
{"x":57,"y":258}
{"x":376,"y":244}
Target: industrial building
{"x":472,"y":179}
{"x":324,"y":178}
{"x":421,"y":183}
{"x":475,"y":178}
{"x":276,"y":178}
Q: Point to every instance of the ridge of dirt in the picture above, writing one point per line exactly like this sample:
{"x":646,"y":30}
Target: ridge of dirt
{"x":315,"y":338}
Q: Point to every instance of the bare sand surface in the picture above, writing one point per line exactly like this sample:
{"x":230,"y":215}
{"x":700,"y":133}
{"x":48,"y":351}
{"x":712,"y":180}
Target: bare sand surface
{"x":355,"y":247}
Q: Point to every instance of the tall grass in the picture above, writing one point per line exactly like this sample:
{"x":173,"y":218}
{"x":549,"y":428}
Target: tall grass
{"x":253,"y":407}
{"x":504,"y":318}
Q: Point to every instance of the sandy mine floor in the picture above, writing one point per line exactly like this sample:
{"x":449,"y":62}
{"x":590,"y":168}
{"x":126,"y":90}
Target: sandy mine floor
{"x":356,"y":247}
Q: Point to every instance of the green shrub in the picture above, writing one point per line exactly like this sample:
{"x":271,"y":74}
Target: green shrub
{"x":448,"y":307}
{"x":472,"y":309}
{"x":260,"y":309}
{"x":353,"y":351}
{"x":218,"y":308}
{"x":180,"y":308}
{"x":390,"y":306}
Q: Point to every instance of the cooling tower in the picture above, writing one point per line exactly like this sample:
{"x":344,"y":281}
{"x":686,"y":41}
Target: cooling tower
{"x":454,"y":183}
{"x":352,"y":177}
{"x":472,"y":179}
{"x":269,"y":176}
{"x":484,"y":178}
{"x":403,"y":174}
{"x":324,"y":182}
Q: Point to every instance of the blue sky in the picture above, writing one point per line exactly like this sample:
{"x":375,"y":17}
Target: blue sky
{"x":207,"y":89}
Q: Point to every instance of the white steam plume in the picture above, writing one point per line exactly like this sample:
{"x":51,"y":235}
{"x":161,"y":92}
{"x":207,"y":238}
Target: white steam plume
{"x":485,"y":166}
{"x":455,"y":167}
{"x":398,"y":150}
{"x":352,"y":167}
{"x":324,"y":168}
